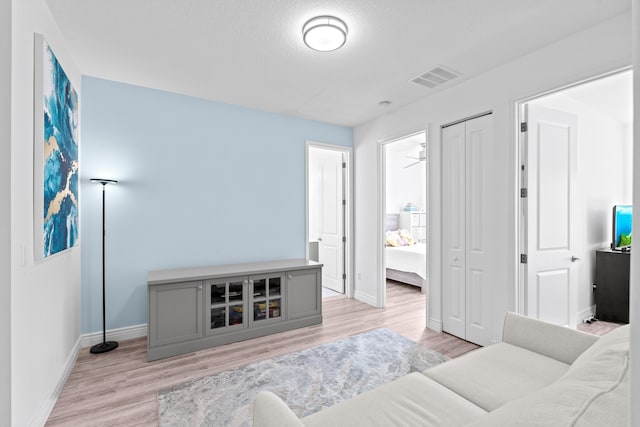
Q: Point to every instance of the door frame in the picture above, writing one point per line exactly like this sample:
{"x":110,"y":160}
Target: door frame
{"x":519,"y":234}
{"x":381,"y":296}
{"x":348,"y":212}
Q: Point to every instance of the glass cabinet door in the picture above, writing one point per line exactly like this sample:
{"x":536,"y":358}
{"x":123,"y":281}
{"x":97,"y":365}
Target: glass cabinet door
{"x":267,"y":294}
{"x":226,"y":300}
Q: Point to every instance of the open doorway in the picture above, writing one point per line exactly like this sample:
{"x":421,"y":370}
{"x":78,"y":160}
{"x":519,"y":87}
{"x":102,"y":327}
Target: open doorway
{"x":328,"y":215}
{"x":405,"y":213}
{"x":575,"y":164}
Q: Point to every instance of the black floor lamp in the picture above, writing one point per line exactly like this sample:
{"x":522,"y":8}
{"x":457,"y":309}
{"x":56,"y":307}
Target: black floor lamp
{"x":105,"y":345}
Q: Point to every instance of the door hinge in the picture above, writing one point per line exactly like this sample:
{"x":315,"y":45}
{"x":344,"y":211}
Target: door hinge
{"x":344,"y":165}
{"x":344,"y":239}
{"x":523,"y":258}
{"x":523,"y":193}
{"x":344,"y":203}
{"x":344,"y":276}
{"x":523,"y":127}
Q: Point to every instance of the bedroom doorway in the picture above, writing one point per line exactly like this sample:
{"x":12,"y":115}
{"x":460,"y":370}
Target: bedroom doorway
{"x":404,"y":212}
{"x":328,"y":215}
{"x":574,"y":164}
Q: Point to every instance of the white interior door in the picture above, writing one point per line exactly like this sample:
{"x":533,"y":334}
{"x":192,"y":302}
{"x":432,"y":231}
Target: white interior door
{"x":454,"y":230}
{"x":479,"y":137}
{"x":465,"y":151}
{"x":550,"y":177}
{"x":331,"y":239}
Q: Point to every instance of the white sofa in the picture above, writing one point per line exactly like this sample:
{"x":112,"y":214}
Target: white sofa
{"x":539,"y":375}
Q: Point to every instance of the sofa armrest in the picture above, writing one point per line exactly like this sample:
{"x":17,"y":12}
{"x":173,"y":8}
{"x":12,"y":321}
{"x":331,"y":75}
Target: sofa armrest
{"x":558,"y":342}
{"x":270,"y":411}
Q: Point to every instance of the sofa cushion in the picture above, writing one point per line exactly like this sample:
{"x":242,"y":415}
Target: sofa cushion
{"x":497,"y":374}
{"x":593,"y":392}
{"x":558,"y":342}
{"x":411,"y":400}
{"x":610,"y":347}
{"x":605,"y":364}
{"x":609,"y":408}
{"x":270,"y":411}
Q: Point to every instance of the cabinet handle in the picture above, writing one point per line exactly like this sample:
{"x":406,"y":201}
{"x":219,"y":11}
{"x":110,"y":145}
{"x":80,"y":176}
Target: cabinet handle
{"x":289,"y":276}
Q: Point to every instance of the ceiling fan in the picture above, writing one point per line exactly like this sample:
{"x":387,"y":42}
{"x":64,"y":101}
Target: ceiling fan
{"x":422,"y":156}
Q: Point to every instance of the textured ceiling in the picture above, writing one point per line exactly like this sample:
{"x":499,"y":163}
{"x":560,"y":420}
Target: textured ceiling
{"x":250,"y":52}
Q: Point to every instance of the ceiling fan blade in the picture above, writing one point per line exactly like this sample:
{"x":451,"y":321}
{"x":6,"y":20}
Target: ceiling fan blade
{"x":412,"y":164}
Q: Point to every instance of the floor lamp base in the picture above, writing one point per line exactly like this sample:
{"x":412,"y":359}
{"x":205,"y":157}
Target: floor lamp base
{"x":103,"y":347}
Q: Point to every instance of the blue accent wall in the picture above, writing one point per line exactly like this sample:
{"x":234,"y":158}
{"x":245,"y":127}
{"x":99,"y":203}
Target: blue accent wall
{"x":200,"y":183}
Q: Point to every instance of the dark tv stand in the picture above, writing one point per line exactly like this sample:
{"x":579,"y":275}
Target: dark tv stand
{"x":624,"y":249}
{"x":612,"y":285}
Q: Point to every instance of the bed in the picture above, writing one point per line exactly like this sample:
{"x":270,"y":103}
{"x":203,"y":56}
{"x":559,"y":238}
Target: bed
{"x":406,"y":264}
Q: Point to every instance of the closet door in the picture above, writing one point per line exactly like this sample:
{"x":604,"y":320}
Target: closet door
{"x":465,"y":150}
{"x":454,"y":230}
{"x":478,"y":140}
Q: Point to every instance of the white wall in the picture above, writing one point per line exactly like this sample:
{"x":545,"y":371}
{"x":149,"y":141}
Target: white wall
{"x":404,"y":185}
{"x":602,"y":179}
{"x":594,"y":51}
{"x":5,"y":213}
{"x":628,"y":162}
{"x":45,"y":297}
{"x":634,"y":311}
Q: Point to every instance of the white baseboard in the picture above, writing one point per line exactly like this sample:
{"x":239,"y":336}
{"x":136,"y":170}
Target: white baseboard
{"x":365,"y":298}
{"x":586,"y":314}
{"x":87,"y":340}
{"x":119,"y":334}
{"x":44,"y":410}
{"x":434,"y":325}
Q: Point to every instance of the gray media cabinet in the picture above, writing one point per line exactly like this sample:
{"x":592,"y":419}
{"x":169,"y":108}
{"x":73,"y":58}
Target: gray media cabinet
{"x":192,"y":309}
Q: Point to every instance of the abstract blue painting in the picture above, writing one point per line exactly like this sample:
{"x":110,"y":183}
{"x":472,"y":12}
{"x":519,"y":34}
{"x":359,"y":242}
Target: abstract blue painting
{"x":60,"y":221}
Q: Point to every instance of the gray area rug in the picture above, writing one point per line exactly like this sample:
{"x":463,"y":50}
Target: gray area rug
{"x":308,"y":380}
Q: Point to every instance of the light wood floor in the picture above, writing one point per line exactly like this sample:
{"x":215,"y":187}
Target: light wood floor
{"x":120,"y":388}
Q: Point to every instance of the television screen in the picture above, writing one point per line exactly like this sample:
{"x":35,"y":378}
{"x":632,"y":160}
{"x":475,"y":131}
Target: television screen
{"x":622,"y":226}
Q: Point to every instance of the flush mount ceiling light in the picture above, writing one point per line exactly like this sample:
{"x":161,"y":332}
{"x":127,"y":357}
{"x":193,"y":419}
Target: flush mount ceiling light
{"x":324,"y":33}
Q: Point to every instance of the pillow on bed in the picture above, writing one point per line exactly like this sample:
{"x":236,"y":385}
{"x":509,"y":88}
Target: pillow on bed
{"x":392,"y":238}
{"x":399,"y":238}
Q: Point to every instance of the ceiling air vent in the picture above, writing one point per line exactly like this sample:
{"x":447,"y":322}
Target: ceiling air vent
{"x":435,"y":77}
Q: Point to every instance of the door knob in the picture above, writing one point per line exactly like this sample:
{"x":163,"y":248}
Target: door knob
{"x":319,"y":239}
{"x":574,"y":258}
